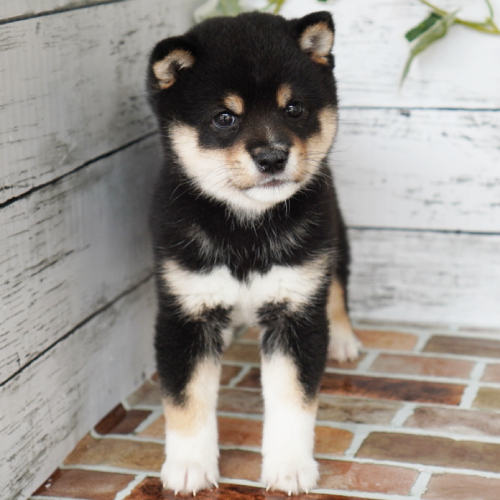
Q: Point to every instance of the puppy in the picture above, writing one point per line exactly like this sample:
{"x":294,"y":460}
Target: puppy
{"x":247,"y":230}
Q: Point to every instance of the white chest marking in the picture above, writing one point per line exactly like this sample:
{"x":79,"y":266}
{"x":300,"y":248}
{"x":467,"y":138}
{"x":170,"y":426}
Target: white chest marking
{"x":197,"y":291}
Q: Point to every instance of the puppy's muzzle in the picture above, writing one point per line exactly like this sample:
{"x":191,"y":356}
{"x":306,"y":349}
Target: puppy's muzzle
{"x":270,"y":161}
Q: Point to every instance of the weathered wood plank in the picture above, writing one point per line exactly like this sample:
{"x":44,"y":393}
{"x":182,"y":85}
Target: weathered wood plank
{"x":12,"y":10}
{"x":424,"y":169}
{"x":73,"y":86}
{"x":460,"y":71}
{"x":70,"y":248}
{"x":425,"y":277}
{"x":51,"y":404}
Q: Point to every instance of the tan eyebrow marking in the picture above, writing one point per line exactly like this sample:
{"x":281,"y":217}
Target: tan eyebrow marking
{"x":284,"y":95}
{"x":234,"y":103}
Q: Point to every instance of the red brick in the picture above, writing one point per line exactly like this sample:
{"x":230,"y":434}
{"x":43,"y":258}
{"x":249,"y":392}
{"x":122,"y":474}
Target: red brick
{"x":430,"y":450}
{"x":369,"y":478}
{"x":419,"y":365}
{"x":84,"y":484}
{"x":467,"y":422}
{"x":120,"y":421}
{"x":391,"y":389}
{"x":240,"y":401}
{"x":245,"y":353}
{"x":463,"y":345}
{"x":151,"y":489}
{"x":361,"y":411}
{"x":122,"y":453}
{"x":228,"y":373}
{"x":487,"y":397}
{"x":491,"y":373}
{"x":387,"y":340}
{"x":462,"y":487}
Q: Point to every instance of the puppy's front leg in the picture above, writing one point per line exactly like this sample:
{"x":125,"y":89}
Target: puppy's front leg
{"x":294,"y":355}
{"x":189,"y":367}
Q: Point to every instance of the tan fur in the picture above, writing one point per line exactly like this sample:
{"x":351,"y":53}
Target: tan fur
{"x":165,"y":69}
{"x":335,"y":307}
{"x":201,"y":400}
{"x":234,"y":103}
{"x":280,"y":371}
{"x":319,"y":144}
{"x":284,"y":95}
{"x":318,"y":41}
{"x":312,"y":151}
{"x":241,"y":171}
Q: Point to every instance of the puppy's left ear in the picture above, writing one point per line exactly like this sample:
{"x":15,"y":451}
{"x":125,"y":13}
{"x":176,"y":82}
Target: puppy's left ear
{"x":315,"y":33}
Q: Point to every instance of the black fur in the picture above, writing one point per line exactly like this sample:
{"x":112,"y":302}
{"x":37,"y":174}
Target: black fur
{"x":252,"y":55}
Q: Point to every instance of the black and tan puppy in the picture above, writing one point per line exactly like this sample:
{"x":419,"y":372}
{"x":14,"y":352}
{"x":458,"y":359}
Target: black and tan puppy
{"x":247,"y":230}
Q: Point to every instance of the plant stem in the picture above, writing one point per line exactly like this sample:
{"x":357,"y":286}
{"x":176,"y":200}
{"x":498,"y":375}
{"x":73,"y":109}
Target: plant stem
{"x":487,"y":27}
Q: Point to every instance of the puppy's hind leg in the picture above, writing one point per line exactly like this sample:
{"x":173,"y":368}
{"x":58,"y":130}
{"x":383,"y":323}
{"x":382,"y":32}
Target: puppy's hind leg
{"x":188,"y":362}
{"x":343,"y":344}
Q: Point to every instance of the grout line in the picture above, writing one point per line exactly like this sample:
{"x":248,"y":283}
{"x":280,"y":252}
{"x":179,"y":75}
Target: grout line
{"x":359,"y":436}
{"x":155,"y":414}
{"x":144,"y":406}
{"x":365,"y":363}
{"x":126,"y":437}
{"x":238,"y":378}
{"x":111,"y":469}
{"x":469,"y":395}
{"x":403,"y":414}
{"x":121,"y":495}
{"x":421,"y":484}
{"x":422,"y":340}
{"x":477,"y":371}
{"x":45,"y":497}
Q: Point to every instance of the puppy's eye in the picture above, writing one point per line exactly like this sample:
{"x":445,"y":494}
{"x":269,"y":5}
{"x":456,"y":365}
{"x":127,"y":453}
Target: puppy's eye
{"x":224,"y":119}
{"x":294,"y":109}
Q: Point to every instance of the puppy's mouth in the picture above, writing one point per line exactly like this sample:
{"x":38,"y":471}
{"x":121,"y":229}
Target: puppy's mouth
{"x":273,"y":183}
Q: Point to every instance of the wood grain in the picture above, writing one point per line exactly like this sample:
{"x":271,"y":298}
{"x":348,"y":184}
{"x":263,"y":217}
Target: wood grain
{"x":419,"y":169}
{"x":73,"y":88}
{"x":60,"y":396}
{"x":71,"y":247}
{"x":459,"y":71}
{"x":425,"y":277}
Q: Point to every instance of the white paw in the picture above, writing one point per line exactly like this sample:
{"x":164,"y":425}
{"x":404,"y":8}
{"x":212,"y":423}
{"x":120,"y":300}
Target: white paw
{"x":189,"y":476}
{"x":290,"y":476}
{"x":343,"y":346}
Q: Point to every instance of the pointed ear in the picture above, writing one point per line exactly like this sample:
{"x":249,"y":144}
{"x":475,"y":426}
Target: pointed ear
{"x":168,"y":59}
{"x":315,"y":33}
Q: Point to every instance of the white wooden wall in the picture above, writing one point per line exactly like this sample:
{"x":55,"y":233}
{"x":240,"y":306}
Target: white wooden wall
{"x":418,"y":170}
{"x":418,"y":173}
{"x":78,"y":155}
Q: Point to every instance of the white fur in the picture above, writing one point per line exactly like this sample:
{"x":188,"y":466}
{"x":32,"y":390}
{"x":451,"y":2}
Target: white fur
{"x":191,"y":446}
{"x":220,"y":178}
{"x":343,"y":344}
{"x":288,"y":439}
{"x":199,"y":290}
{"x":192,"y":461}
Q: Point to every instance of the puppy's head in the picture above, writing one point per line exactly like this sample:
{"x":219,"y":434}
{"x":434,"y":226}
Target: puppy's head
{"x":247,"y":105}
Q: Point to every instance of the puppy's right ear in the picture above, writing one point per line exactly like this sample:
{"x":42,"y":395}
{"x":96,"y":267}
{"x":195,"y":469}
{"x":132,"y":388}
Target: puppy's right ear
{"x":169,"y":58}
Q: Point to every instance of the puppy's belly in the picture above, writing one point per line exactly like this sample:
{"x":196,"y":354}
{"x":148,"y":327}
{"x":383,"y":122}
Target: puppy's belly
{"x":198,"y":291}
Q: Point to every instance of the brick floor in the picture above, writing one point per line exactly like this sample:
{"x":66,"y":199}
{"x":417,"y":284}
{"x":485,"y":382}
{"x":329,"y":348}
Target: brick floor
{"x":399,"y":422}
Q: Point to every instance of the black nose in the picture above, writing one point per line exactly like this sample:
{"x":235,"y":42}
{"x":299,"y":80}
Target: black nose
{"x":271,"y":161}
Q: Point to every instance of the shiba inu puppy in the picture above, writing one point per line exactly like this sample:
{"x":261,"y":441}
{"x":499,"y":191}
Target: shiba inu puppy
{"x":247,"y":230}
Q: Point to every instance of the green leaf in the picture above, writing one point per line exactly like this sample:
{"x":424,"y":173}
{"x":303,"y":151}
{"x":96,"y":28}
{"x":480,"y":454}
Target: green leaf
{"x":423,"y":26}
{"x":217,"y":8}
{"x":230,"y":7}
{"x":435,"y":32}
